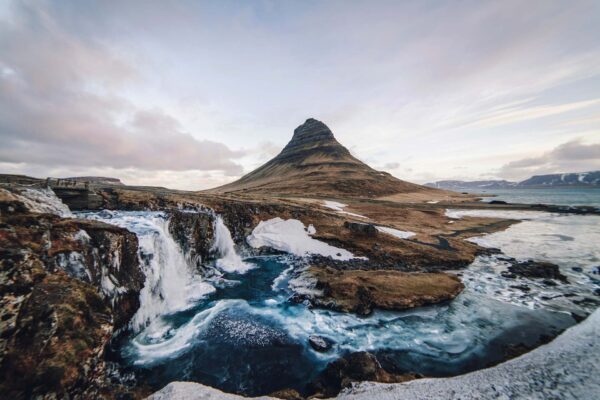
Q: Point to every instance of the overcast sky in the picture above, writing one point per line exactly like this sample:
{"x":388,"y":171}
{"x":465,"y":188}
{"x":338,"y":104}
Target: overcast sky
{"x":191,"y":94}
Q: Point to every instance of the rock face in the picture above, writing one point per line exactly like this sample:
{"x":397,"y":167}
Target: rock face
{"x":194,"y":233}
{"x":361,"y":291}
{"x":354,"y":367}
{"x":66,"y":285}
{"x":537,"y":269}
{"x":315,"y":162}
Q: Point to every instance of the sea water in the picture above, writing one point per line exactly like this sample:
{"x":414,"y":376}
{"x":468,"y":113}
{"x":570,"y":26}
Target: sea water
{"x":557,"y":196}
{"x":244,"y":335}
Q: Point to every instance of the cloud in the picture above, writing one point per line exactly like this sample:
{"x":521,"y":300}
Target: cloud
{"x":572,"y":156}
{"x":59,"y":106}
{"x":391,"y":165}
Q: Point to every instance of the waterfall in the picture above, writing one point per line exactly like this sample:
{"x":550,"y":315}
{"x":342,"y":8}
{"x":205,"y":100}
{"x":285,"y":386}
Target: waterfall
{"x":171,"y":284}
{"x":223,"y":245}
{"x":167,"y":274}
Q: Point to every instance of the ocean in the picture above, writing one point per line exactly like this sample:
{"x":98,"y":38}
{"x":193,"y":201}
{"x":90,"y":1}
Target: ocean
{"x":558,"y":196}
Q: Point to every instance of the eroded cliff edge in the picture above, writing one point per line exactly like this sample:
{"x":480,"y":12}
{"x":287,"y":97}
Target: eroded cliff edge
{"x":66,"y":286}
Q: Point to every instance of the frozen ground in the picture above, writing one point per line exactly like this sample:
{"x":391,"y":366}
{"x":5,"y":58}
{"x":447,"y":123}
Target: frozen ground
{"x":291,"y":236}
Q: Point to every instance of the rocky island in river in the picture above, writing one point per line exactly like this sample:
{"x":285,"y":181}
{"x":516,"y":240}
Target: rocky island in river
{"x":304,"y":277}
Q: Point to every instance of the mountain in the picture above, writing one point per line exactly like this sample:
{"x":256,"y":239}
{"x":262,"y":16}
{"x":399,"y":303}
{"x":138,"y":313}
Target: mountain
{"x":314,"y":162}
{"x":579,"y":179}
{"x":591,"y":178}
{"x":457,"y":185}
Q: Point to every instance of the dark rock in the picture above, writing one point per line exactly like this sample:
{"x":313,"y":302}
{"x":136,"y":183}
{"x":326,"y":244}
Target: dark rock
{"x":361,"y":229}
{"x":320,"y":343}
{"x":57,"y":313}
{"x":537,"y":269}
{"x":596,"y":270}
{"x":597,"y":291}
{"x":508,"y":275}
{"x":577,"y":269}
{"x":578,"y":317}
{"x":287,"y":394}
{"x":193,"y":231}
{"x":498,"y":202}
{"x":523,"y":288}
{"x":353,"y":367}
{"x":549,"y":282}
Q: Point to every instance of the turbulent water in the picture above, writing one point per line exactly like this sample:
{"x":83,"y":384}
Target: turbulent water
{"x":235,"y":329}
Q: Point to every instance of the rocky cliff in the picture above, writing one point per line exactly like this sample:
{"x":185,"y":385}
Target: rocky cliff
{"x":66,"y":286}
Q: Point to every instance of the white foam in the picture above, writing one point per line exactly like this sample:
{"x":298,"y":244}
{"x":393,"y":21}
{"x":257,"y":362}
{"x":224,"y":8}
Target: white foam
{"x":291,"y":236}
{"x":395,"y":232}
{"x":230,"y":261}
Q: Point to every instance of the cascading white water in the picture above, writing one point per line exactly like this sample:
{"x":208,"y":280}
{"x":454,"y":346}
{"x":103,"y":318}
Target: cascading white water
{"x":229,"y":260}
{"x":170,"y":283}
{"x":167,"y":274}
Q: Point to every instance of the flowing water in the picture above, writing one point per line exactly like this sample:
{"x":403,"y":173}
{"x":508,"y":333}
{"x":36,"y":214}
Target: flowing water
{"x":235,"y":329}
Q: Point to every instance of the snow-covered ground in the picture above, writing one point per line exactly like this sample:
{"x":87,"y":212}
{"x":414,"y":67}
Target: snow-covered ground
{"x":293,"y":237}
{"x":395,"y":232}
{"x":339,"y":207}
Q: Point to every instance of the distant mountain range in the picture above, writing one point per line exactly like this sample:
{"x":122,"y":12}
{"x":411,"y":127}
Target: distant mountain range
{"x":579,"y":179}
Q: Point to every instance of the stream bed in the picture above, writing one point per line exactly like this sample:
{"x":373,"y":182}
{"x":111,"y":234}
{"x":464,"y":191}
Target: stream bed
{"x":235,"y":329}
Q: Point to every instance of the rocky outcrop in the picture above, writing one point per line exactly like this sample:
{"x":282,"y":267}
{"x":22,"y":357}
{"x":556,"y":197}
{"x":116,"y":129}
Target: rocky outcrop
{"x":361,"y":229}
{"x":66,"y":286}
{"x":194,"y":233}
{"x":320,"y":343}
{"x":354,"y":367}
{"x":361,"y":291}
{"x":535,"y":269}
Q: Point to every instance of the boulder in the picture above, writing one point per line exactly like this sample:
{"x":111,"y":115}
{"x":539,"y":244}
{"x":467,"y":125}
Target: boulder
{"x":368,"y":230}
{"x":353,"y":367}
{"x":537,"y":269}
{"x":320,"y":343}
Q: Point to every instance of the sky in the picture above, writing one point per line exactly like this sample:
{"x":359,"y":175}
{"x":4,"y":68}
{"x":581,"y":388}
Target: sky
{"x":194,"y":94}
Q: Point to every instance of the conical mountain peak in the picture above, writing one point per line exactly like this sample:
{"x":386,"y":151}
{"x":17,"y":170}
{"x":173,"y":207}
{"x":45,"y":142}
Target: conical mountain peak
{"x":315,"y":162}
{"x":312,"y":130}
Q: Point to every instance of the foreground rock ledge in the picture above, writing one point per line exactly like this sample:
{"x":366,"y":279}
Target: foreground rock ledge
{"x":361,"y":291}
{"x":566,"y":368}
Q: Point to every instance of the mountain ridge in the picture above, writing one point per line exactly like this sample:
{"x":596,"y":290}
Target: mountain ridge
{"x":571,"y":179}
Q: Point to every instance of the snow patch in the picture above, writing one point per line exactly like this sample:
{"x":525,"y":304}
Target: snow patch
{"x":339,"y":207}
{"x":395,"y":232}
{"x":291,"y":236}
